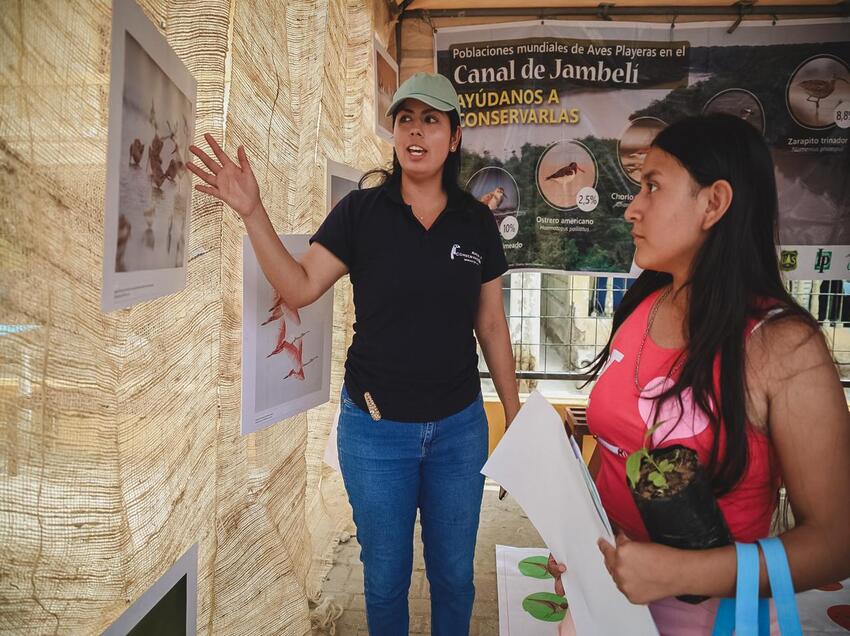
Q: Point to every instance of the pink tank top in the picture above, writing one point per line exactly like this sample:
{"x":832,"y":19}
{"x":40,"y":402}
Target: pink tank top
{"x":619,"y":415}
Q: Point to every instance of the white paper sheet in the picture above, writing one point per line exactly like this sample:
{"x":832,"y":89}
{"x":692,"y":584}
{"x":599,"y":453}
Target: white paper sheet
{"x":536,"y":465}
{"x":513,"y":587}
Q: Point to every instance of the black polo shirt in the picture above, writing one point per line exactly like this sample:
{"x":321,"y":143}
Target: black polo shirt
{"x":415,"y":298}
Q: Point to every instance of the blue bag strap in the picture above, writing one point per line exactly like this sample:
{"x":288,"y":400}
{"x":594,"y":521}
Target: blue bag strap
{"x":764,"y":617}
{"x":781,"y":586}
{"x":724,"y":622}
{"x":747,"y":590}
{"x":747,"y":614}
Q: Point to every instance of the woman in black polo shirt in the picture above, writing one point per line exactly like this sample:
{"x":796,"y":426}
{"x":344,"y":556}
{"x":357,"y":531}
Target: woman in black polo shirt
{"x":425,"y":259}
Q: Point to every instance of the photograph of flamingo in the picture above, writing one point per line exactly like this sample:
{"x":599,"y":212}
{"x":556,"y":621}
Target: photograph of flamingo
{"x":148,"y":189}
{"x":285,"y":350}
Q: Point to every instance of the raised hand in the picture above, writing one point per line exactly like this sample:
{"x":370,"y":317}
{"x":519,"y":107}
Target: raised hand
{"x":233,"y":183}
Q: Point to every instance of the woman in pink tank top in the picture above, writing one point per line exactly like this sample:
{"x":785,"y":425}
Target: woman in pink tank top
{"x":709,"y":342}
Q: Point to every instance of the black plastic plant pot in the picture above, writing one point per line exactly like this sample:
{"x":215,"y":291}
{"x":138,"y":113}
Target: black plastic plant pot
{"x":686,"y":515}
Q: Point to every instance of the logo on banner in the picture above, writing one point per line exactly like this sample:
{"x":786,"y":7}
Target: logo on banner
{"x":823,"y":260}
{"x":788,"y":260}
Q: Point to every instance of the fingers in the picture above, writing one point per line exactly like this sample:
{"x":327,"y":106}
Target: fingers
{"x":208,"y":161}
{"x":222,"y":156}
{"x":243,"y":159}
{"x":559,"y":587}
{"x":554,"y":568}
{"x":209,"y":178}
{"x":609,"y":553}
{"x":622,"y":539}
{"x":208,"y":190}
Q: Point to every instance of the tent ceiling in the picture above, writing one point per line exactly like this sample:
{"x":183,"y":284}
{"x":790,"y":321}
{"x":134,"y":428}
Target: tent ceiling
{"x":567,"y":4}
{"x":838,"y":6}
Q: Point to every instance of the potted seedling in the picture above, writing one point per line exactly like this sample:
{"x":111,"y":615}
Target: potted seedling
{"x":675,"y":499}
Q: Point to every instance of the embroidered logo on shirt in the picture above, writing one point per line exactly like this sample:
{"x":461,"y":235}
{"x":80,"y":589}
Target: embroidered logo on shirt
{"x":469,"y":257}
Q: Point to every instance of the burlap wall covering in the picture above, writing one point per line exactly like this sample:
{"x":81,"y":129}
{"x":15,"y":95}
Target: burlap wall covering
{"x":120,"y":444}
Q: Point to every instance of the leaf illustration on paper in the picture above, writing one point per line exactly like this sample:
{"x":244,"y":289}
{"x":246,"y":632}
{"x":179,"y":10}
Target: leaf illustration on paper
{"x":535,"y":567}
{"x":546,"y":606}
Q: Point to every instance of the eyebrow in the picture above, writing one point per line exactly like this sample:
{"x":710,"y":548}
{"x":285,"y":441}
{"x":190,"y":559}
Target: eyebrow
{"x":649,"y":175}
{"x":424,"y":112}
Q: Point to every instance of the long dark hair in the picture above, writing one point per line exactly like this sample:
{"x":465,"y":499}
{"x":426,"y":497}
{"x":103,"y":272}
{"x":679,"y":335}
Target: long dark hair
{"x":734,"y":278}
{"x":451,"y":169}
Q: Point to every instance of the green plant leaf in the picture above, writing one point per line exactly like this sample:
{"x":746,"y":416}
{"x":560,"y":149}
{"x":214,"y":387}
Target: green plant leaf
{"x":633,"y":466}
{"x":665,"y":466}
{"x":535,"y":567}
{"x":658,"y":480}
{"x":546,"y":606}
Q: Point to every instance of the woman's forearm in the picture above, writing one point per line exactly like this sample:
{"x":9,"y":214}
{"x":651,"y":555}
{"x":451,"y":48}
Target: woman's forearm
{"x":496,"y":346}
{"x":815,"y":557}
{"x":284,"y":273}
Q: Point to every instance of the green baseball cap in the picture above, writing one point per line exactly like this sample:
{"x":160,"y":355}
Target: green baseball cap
{"x":432,"y":88}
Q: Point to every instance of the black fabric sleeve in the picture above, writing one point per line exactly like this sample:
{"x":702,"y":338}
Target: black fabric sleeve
{"x":336,"y":232}
{"x":495,"y":264}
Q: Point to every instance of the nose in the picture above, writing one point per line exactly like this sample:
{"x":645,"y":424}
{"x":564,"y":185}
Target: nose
{"x":633,"y":210}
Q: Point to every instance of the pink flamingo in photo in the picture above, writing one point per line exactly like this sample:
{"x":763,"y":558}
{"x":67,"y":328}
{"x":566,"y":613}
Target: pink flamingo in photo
{"x":294,"y":349}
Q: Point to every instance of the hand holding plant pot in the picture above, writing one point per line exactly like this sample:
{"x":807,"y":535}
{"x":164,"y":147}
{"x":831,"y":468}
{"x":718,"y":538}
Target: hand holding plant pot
{"x":644,"y":572}
{"x":675,"y":499}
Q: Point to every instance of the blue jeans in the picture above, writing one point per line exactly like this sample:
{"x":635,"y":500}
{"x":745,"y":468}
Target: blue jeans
{"x":392,"y":468}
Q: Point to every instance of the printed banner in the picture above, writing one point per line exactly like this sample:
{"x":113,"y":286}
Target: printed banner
{"x":558,"y":117}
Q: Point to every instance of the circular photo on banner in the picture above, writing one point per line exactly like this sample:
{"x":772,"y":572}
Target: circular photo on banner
{"x":739,"y":102}
{"x":563,"y":169}
{"x":634,"y":144}
{"x":497,"y":189}
{"x":814,"y":90}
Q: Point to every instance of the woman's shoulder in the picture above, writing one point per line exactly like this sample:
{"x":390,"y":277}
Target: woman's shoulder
{"x":785,"y":341}
{"x":477,"y":210}
{"x":358,"y":200}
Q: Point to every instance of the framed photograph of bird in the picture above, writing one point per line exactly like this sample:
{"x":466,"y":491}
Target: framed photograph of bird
{"x":286,"y":351}
{"x":148,"y":189}
{"x":169,"y":606}
{"x":386,"y":84}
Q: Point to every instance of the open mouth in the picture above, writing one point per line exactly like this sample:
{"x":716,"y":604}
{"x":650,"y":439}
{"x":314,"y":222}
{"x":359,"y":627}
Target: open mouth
{"x":416,"y":151}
